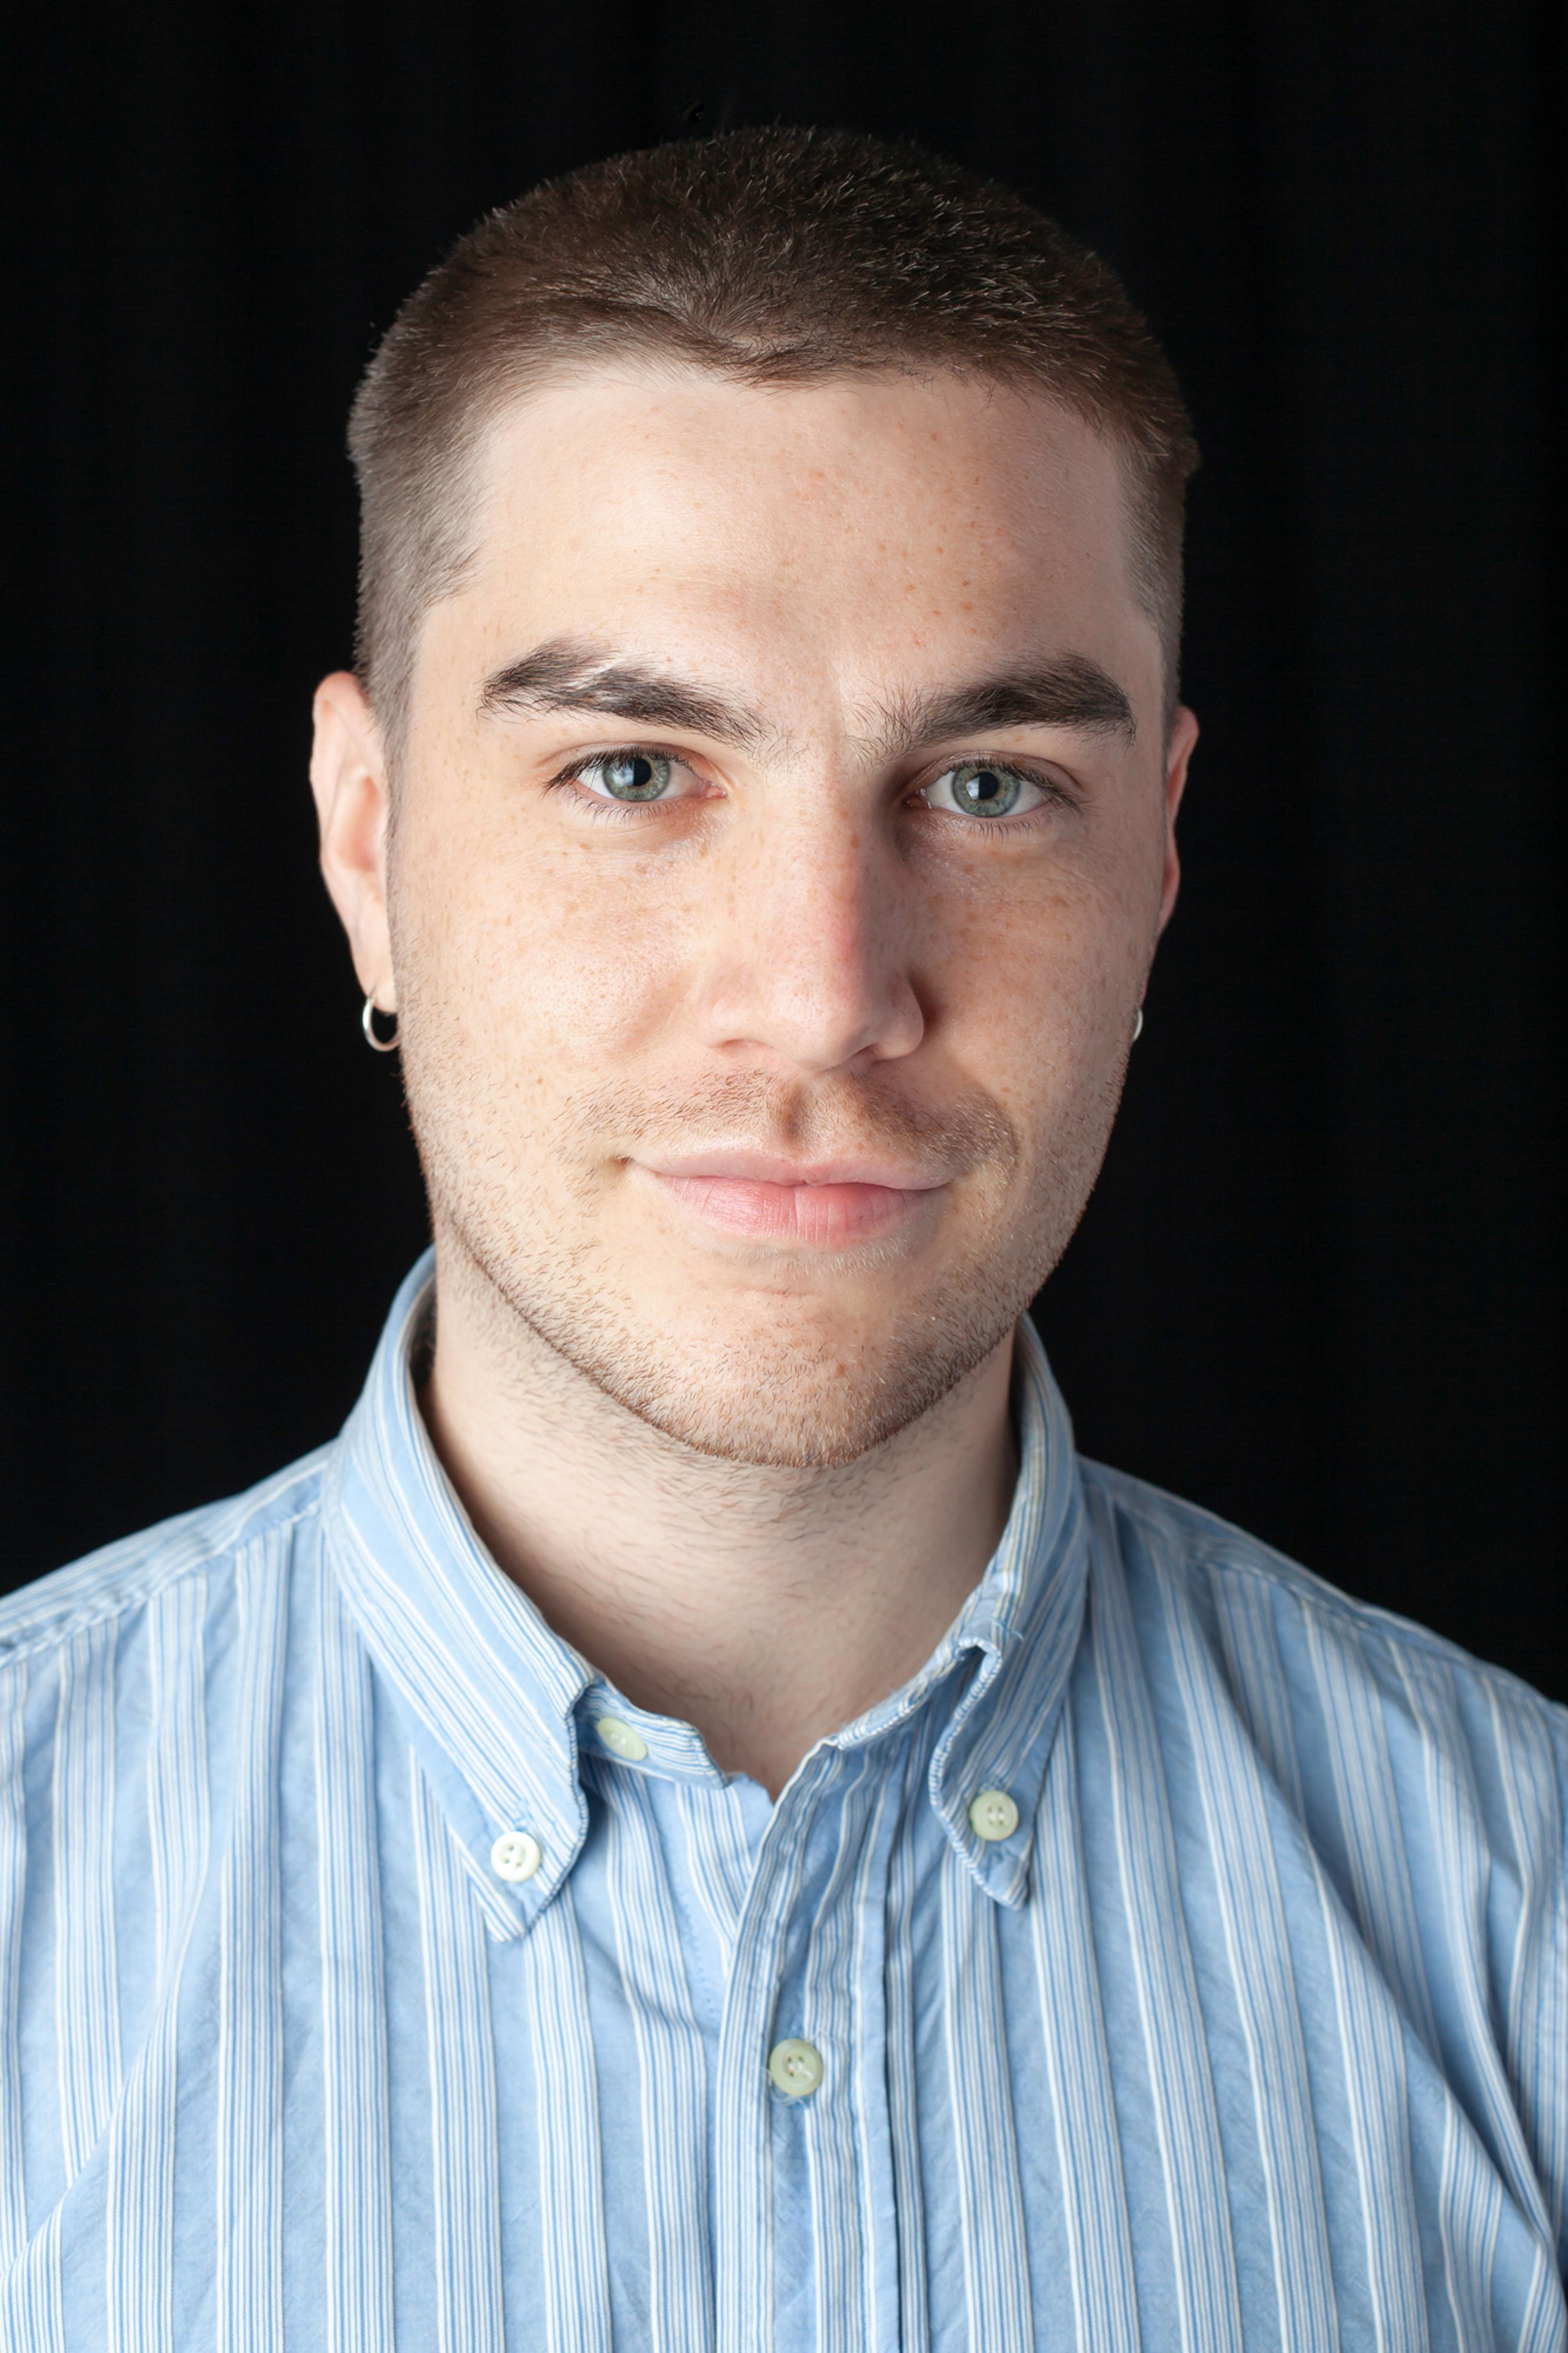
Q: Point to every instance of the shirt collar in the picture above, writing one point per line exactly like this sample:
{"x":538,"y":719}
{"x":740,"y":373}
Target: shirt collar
{"x":489,"y":1695}
{"x":1020,"y":1631}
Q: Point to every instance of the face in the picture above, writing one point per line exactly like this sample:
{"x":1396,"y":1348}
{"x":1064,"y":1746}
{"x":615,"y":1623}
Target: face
{"x":781,"y":839}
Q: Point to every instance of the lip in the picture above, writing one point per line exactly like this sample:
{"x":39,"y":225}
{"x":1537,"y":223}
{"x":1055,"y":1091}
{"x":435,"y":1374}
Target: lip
{"x":770,"y":1169}
{"x":832,"y":1204}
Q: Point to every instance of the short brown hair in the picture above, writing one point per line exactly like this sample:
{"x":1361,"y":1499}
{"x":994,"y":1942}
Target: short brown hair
{"x":775,"y":257}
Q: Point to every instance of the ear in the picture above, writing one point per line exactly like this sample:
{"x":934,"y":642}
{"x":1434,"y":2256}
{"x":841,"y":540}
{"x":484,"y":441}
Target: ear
{"x":1178,"y":753}
{"x":348,"y":777}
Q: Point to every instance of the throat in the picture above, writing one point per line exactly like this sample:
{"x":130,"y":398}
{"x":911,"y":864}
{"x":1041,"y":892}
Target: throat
{"x":765,"y":1607}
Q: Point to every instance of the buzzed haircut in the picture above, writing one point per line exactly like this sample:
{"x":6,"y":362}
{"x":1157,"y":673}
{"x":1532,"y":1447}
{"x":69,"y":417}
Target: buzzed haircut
{"x":778,"y":257}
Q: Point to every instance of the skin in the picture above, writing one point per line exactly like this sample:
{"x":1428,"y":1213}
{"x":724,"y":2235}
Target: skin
{"x":754,"y":1114}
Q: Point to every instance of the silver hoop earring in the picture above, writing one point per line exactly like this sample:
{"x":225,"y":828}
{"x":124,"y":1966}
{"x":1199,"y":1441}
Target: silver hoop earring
{"x":367,"y":1023}
{"x":1138,"y":1025}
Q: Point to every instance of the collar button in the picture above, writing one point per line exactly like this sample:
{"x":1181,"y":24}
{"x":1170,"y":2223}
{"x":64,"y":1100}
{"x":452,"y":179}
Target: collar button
{"x":620,"y":1739}
{"x":516,"y":1855}
{"x":993,"y":1815}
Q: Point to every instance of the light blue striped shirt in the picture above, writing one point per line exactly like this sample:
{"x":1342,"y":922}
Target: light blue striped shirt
{"x":1253,"y":2030}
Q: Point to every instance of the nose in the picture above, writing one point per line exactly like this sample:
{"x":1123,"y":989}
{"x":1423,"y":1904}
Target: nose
{"x":810,"y":945}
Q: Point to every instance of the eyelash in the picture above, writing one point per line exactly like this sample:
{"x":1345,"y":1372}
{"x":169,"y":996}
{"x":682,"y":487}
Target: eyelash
{"x":618,"y":812}
{"x":1056,"y":796}
{"x":624,"y":812}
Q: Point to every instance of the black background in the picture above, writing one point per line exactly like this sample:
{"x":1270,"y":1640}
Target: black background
{"x":1318,"y":1286}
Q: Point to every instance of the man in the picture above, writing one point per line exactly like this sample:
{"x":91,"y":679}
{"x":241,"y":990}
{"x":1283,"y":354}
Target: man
{"x":699,"y":1822}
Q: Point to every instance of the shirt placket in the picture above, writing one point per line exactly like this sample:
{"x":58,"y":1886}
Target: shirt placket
{"x":805,"y":2238}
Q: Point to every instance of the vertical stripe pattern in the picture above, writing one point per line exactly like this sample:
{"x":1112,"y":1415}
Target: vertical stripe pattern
{"x":982,"y":2121}
{"x":465,"y":2202}
{"x":13,"y":1893}
{"x":87,"y":1986}
{"x":358,"y":1991}
{"x":356,"y":2151}
{"x":140,"y":2219}
{"x":247,"y":2177}
{"x":672,"y":2086}
{"x":1075,"y":2065}
{"x":1175,"y":2063}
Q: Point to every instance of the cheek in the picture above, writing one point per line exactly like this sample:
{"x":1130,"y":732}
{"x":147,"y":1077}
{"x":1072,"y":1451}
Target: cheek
{"x":550,"y":966}
{"x":1020,"y":982}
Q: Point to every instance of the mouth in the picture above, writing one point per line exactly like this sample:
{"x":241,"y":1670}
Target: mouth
{"x":828,"y":1204}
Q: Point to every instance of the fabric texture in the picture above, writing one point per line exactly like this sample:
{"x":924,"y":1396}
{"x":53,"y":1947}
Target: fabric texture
{"x":1254,"y":2032}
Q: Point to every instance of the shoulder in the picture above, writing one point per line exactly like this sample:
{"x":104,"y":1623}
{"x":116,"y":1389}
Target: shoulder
{"x":121,"y":1577}
{"x":1222,"y":1580}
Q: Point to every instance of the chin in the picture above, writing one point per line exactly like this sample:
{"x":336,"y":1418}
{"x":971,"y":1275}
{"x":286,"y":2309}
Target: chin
{"x":788,"y":1392}
{"x":808,"y":1426}
{"x":804,"y":1380}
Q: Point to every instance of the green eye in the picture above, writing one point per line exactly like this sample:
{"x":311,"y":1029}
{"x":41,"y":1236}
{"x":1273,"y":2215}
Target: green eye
{"x":975,"y":788}
{"x":628,"y":777}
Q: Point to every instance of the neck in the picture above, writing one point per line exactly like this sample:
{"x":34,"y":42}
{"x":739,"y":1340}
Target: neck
{"x":766,"y":1607}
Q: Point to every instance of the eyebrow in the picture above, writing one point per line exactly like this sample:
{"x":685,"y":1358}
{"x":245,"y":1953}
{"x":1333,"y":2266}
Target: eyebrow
{"x":566,"y":674}
{"x":1071,"y":692}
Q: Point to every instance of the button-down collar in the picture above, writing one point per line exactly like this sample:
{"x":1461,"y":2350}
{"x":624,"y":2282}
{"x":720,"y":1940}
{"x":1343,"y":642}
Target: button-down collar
{"x":495,"y":1702}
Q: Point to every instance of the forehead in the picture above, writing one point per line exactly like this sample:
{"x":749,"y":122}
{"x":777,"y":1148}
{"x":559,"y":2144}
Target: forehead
{"x":875,"y":523}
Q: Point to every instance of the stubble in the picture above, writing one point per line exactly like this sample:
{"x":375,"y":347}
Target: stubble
{"x":770,"y":1371}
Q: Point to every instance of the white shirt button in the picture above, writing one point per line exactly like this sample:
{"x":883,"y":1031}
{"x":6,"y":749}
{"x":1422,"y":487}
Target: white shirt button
{"x":795,"y":2067}
{"x":516,"y":1855}
{"x":620,"y":1739}
{"x":993,"y":1815}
